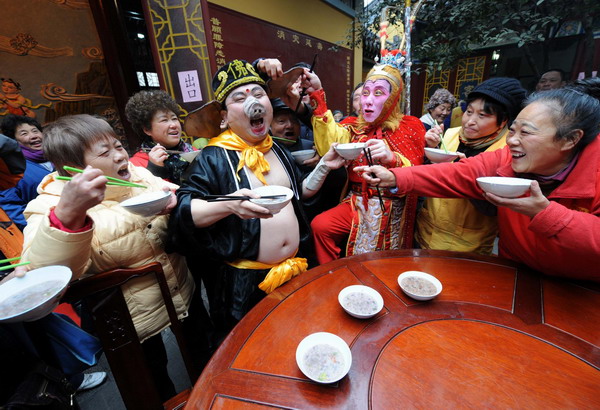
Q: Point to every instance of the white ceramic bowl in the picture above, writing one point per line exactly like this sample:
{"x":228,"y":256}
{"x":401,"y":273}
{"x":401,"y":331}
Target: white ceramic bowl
{"x":273,"y":204}
{"x":33,"y":296}
{"x":419,"y":285}
{"x":147,"y":204}
{"x":190,"y":156}
{"x":437,"y":155}
{"x":324,"y":357}
{"x":360,"y":301}
{"x":504,"y":186}
{"x":350,"y":151}
{"x":303,"y":155}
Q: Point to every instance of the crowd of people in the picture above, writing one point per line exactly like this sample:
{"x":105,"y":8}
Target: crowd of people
{"x":389,"y":197}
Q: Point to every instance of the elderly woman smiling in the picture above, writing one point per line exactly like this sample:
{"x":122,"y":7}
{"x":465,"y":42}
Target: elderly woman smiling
{"x":554,"y":141}
{"x":154,"y":117}
{"x":439,"y":107}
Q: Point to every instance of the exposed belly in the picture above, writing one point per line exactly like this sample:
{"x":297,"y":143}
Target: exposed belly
{"x":279,"y":236}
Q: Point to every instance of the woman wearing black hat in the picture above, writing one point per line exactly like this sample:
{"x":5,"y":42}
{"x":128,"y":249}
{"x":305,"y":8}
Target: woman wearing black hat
{"x":458,"y":224}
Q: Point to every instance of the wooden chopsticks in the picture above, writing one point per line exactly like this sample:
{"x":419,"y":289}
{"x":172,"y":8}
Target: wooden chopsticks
{"x":369,"y":158}
{"x":111,"y":180}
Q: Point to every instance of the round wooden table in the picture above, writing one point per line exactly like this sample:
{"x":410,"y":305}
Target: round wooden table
{"x":497,"y":336}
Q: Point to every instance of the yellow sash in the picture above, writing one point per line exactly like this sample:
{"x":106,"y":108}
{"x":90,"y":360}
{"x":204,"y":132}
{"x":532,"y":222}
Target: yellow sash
{"x":251,"y":156}
{"x":278,"y":274}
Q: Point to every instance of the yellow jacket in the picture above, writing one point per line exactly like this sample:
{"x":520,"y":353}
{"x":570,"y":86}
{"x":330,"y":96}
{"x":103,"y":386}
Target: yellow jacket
{"x":118,"y":238}
{"x":455,"y":224}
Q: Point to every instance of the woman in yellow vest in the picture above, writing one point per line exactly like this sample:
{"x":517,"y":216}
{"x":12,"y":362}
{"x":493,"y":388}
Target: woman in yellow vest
{"x":460,"y":224}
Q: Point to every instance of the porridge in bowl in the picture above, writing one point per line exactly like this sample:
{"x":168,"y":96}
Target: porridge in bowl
{"x":360,"y":301}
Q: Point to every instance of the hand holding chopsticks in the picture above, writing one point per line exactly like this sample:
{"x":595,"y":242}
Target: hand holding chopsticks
{"x":369,"y":158}
{"x":111,"y":180}
{"x":303,"y":91}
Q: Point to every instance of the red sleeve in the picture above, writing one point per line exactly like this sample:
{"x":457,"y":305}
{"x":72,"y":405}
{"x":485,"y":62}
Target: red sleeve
{"x":140,"y":159}
{"x":450,"y":180}
{"x":573,"y":229}
{"x":318,"y":102}
{"x":56,"y":223}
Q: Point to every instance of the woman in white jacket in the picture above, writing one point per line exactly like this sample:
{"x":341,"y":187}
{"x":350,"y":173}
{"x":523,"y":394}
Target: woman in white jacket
{"x":80,"y":224}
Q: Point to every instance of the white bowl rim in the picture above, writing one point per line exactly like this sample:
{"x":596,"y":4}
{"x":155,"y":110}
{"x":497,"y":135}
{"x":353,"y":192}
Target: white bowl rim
{"x":190,"y":155}
{"x":324,"y":337}
{"x":32,"y":278}
{"x":441,"y":151}
{"x":159,"y":196}
{"x":288,"y":194}
{"x":362,"y":289}
{"x":424,"y":275}
{"x":351,"y":145}
{"x":505,"y":181}
{"x":304,"y":152}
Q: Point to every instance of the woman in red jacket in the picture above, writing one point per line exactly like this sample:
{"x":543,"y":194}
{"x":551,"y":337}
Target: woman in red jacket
{"x":555,"y":229}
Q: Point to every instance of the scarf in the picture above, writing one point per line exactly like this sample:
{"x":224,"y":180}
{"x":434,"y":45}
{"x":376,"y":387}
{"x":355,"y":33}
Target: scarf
{"x":250,"y":156}
{"x":34,"y":155}
{"x":483,"y":142}
{"x":279,"y":273}
{"x":174,"y":164}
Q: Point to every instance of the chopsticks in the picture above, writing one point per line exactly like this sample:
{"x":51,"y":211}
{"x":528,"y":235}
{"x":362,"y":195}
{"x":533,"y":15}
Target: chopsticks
{"x":442,"y":141}
{"x":303,"y":93}
{"x":168,"y":151}
{"x":283,"y":139}
{"x":369,"y":158}
{"x":111,"y":180}
{"x":60,"y":177}
{"x":9,"y":259}
{"x":221,"y":198}
{"x":7,"y":267}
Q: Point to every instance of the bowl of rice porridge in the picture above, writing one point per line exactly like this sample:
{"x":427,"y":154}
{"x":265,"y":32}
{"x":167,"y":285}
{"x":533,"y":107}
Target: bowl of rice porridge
{"x":34,"y":295}
{"x":274,"y":205}
{"x":419,"y":285}
{"x":360,"y":301}
{"x":324,"y":357}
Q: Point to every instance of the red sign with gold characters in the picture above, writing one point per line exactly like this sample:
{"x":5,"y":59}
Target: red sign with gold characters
{"x":235,"y":35}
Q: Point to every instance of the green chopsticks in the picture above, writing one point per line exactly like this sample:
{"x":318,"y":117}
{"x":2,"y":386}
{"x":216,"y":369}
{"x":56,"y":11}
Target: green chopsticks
{"x":111,"y":180}
{"x":443,"y":145}
{"x":7,"y":267}
{"x":60,"y":177}
{"x":9,"y":259}
{"x":283,"y":139}
{"x":442,"y":140}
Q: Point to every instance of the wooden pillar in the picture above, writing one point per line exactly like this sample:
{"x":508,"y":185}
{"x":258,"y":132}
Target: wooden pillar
{"x":108,"y":16}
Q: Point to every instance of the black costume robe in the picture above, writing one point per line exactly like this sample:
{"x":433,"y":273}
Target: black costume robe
{"x":232,"y":292}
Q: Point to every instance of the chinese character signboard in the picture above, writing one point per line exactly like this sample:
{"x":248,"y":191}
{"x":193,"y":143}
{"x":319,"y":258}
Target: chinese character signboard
{"x":236,"y":35}
{"x":189,"y":84}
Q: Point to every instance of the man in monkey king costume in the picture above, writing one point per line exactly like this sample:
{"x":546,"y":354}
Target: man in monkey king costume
{"x":394,"y":140}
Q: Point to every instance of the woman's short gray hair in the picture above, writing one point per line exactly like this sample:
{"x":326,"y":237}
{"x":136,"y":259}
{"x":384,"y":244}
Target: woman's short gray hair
{"x":441,"y":96}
